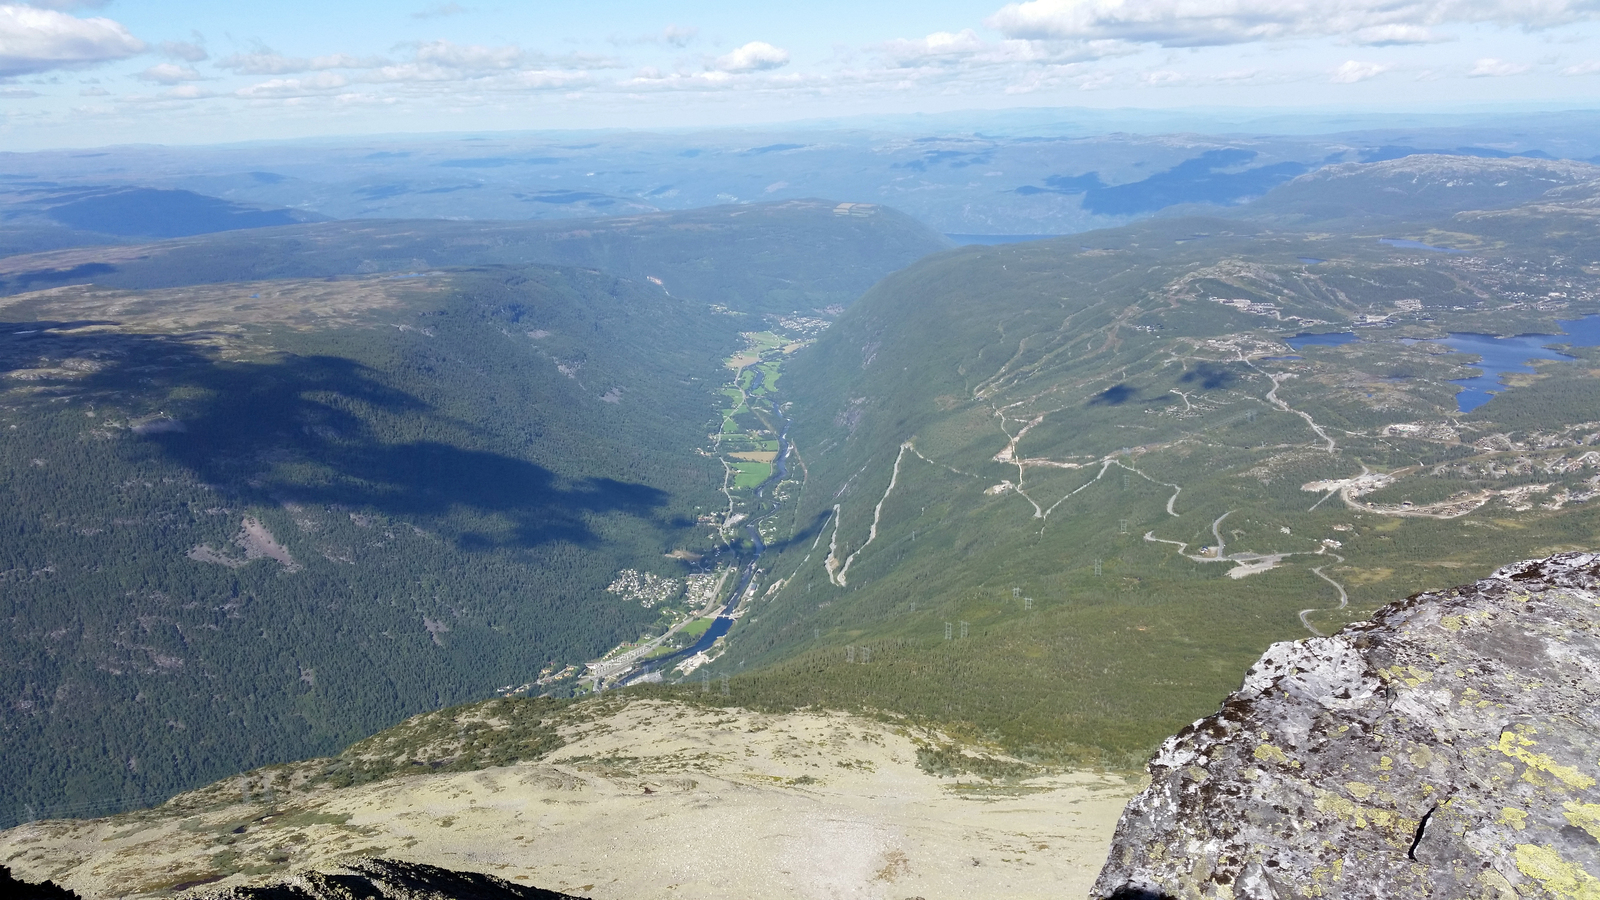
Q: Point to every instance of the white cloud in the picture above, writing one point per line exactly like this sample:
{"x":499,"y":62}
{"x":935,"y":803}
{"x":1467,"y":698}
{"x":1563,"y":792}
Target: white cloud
{"x":944,"y":48}
{"x":38,"y":40}
{"x":17,"y":94}
{"x":319,"y":83}
{"x":170,"y":73}
{"x":184,"y":50}
{"x":434,"y":67}
{"x":1497,"y":68}
{"x":756,"y":56}
{"x":1588,"y":67}
{"x":1354,"y":70}
{"x":1195,"y":23}
{"x":937,"y":47}
{"x":1395,"y":33}
{"x":470,"y":57}
{"x":68,"y":4}
{"x":266,"y":62}
{"x":263,"y":62}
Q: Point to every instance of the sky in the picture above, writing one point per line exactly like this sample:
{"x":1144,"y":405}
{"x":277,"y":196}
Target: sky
{"x":78,"y":73}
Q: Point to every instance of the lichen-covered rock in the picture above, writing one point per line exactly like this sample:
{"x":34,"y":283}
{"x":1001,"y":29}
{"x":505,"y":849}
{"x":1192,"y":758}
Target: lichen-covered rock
{"x":1448,"y":748}
{"x":384,"y":879}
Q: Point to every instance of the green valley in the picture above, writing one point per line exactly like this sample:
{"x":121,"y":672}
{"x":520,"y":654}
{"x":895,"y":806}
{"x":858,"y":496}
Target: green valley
{"x":252,"y":520}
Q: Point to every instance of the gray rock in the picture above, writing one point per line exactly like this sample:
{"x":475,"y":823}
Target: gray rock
{"x":1448,"y":748}
{"x":384,"y":879}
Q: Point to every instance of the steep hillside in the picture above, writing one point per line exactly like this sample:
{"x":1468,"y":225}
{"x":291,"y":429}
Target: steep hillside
{"x":1065,"y":492}
{"x":246,"y":522}
{"x":249,"y":521}
{"x":761,"y":258}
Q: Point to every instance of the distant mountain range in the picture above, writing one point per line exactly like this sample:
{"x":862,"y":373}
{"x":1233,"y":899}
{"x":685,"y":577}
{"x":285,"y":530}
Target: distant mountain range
{"x":1021,"y":172}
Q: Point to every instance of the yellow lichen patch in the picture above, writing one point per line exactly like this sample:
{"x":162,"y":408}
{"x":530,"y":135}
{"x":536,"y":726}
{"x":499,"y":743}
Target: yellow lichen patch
{"x":1514,"y":817}
{"x":1559,"y":877}
{"x":1410,"y":676}
{"x":1358,"y":790}
{"x":1383,"y":818}
{"x":1270,"y":753}
{"x":1584,"y":815}
{"x":1342,"y":809}
{"x":1332,"y":872}
{"x":1195,"y":773}
{"x":1515,"y":744}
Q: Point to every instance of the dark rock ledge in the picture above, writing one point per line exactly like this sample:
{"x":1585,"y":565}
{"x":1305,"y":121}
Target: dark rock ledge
{"x":384,"y":879}
{"x":1448,"y":748}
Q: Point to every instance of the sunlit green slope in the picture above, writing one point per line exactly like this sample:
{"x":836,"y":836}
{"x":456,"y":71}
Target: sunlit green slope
{"x":1066,"y":492}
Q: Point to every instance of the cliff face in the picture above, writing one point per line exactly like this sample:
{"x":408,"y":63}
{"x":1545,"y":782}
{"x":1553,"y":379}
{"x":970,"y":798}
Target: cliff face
{"x":1449,"y":748}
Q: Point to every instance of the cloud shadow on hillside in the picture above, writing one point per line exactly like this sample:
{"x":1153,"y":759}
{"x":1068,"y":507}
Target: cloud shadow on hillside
{"x":1116,"y":395}
{"x":317,"y":430}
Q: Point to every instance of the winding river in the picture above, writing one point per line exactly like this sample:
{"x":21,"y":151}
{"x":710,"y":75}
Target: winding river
{"x":765,"y":508}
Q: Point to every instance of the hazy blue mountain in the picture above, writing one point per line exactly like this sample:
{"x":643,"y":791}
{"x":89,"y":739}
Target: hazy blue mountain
{"x":765,"y":257}
{"x":1010,"y":172}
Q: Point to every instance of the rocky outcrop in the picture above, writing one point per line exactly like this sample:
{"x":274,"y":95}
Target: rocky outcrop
{"x":384,"y":879}
{"x":1448,"y":748}
{"x":14,"y":888}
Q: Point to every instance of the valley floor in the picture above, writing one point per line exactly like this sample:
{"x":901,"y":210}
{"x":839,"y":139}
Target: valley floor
{"x":649,"y":800}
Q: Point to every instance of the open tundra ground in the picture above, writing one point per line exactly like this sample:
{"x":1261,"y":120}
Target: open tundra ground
{"x":646,"y":799}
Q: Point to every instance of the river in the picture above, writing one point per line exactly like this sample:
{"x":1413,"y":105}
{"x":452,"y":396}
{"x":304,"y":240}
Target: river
{"x":766,"y":507}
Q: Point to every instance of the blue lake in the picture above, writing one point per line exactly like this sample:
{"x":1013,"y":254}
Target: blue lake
{"x":1499,"y":356}
{"x":1331,"y":339}
{"x":1416,"y":245}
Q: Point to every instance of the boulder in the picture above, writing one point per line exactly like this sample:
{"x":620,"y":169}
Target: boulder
{"x":1449,"y":747}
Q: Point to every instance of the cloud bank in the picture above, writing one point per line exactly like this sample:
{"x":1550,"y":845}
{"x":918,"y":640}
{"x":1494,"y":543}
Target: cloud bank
{"x":38,"y":40}
{"x":1200,"y":23}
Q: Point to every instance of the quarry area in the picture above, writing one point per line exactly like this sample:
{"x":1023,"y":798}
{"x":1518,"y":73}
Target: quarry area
{"x":652,"y":800}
